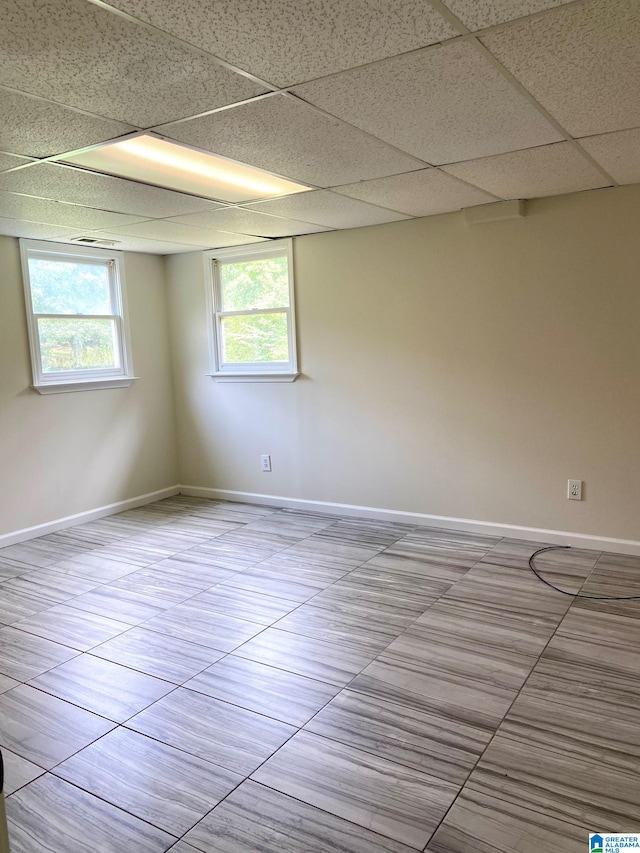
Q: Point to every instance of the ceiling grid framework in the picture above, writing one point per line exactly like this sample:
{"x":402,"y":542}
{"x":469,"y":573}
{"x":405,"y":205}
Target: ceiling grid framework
{"x":385,"y":111}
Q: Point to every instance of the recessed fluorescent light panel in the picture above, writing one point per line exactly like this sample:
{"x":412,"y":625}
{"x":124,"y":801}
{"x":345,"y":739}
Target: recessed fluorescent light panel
{"x":153,"y":160}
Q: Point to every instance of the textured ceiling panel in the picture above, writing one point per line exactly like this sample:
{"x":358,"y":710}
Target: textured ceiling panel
{"x":443,"y":104}
{"x":177,"y":232}
{"x":550,"y":170}
{"x":386,"y":105}
{"x":75,"y":53}
{"x":10,"y":161}
{"x":582,"y":62}
{"x":88,"y":188}
{"x":34,"y":230}
{"x":290,"y":41}
{"x":618,"y":153}
{"x":418,"y":193}
{"x":244,"y":221}
{"x":140,"y":244}
{"x":285,"y":136}
{"x":477,"y":14}
{"x":39,"y":129}
{"x":56,"y":213}
{"x":326,"y":208}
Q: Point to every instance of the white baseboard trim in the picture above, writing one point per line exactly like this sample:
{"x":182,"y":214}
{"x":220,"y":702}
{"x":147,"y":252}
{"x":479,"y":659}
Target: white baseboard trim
{"x":534,"y":534}
{"x":491,"y":528}
{"x":82,"y":517}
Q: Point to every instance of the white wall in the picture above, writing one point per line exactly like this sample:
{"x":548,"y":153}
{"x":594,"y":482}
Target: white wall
{"x":449,"y":369}
{"x":63,"y":454}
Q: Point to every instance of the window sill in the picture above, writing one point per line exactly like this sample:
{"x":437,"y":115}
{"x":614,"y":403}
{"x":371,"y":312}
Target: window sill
{"x":84,"y":385}
{"x":254,"y":377}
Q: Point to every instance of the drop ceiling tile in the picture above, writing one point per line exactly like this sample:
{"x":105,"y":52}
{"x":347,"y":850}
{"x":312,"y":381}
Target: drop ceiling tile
{"x":190,"y":235}
{"x":63,"y":183}
{"x":244,"y":221}
{"x":50,"y":212}
{"x":327,"y":208}
{"x":550,"y":170}
{"x":581,"y":62}
{"x":442,"y":104}
{"x":283,"y":135}
{"x":312,"y":38}
{"x":38,"y":128}
{"x":477,"y":14}
{"x":138,"y":244}
{"x":618,"y":153}
{"x":78,"y":54}
{"x":418,"y":193}
{"x":10,"y":161}
{"x":34,"y":230}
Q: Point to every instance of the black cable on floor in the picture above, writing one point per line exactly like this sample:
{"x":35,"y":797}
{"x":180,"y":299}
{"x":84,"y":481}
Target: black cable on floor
{"x":575,"y":594}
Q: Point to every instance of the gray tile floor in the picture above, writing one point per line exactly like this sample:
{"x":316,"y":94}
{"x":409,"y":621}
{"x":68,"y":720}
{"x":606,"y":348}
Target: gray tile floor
{"x":208,"y":677}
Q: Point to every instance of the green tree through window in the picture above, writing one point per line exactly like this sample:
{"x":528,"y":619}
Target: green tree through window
{"x":253,"y":296}
{"x":70,"y":288}
{"x":75,"y":311}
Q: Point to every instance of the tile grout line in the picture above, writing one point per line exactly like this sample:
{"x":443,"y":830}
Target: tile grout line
{"x":507,"y":712}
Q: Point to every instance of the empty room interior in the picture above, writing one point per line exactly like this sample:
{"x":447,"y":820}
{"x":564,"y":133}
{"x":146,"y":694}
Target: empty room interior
{"x":319,"y":426}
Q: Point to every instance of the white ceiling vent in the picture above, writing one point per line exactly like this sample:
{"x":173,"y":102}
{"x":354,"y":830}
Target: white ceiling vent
{"x":93,"y":241}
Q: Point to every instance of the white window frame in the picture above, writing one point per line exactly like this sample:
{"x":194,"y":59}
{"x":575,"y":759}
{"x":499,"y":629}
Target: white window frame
{"x":254,"y":371}
{"x":79,"y":380}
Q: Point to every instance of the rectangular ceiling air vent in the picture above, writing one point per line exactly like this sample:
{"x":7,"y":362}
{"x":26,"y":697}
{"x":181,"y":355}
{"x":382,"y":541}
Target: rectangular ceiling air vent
{"x":93,"y":241}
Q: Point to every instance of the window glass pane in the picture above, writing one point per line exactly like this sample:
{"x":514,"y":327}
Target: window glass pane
{"x":258,"y":337}
{"x":261,"y":283}
{"x":73,"y":344}
{"x":64,"y":287}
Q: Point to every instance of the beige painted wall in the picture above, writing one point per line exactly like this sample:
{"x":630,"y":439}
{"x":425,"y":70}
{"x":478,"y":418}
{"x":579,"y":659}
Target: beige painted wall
{"x":67,"y":453}
{"x":449,"y":369}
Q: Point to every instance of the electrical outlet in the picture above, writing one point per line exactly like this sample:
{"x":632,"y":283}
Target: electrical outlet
{"x":265,"y":462}
{"x":574,"y":490}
